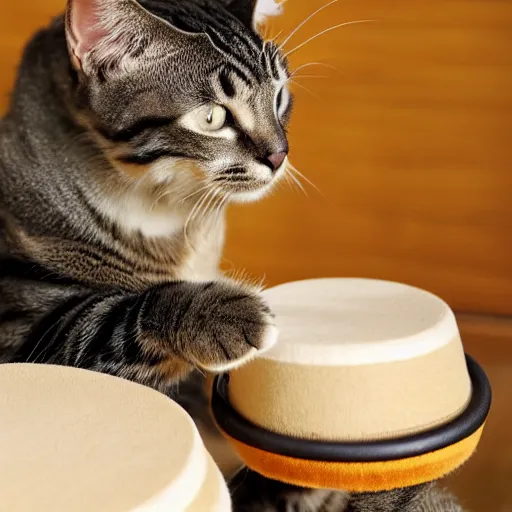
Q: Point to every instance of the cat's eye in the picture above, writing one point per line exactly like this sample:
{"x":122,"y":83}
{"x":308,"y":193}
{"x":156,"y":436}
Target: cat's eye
{"x":214,"y":117}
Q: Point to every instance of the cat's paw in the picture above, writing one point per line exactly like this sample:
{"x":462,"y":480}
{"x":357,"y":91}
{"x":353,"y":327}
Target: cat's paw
{"x":229,"y":324}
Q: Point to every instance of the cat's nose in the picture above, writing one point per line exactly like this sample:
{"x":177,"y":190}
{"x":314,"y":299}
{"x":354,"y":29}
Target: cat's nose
{"x":277,"y":159}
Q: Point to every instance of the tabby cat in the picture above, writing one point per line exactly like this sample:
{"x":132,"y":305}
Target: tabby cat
{"x":131,"y":126}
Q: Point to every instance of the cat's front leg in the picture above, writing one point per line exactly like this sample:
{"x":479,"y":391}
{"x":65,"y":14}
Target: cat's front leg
{"x":215,"y":325}
{"x":154,"y":337}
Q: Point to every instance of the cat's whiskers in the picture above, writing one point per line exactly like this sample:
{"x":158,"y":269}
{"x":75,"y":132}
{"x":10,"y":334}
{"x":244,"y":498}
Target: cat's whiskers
{"x":263,"y":46}
{"x":310,"y":76}
{"x":202,"y":207}
{"x":39,"y":342}
{"x":296,"y":181}
{"x":264,"y":32}
{"x":305,"y":88}
{"x":298,"y":174}
{"x":272,"y":40}
{"x":206,"y":199}
{"x":300,"y":25}
{"x":223,"y":205}
{"x":264,"y":54}
{"x":165,"y":193}
{"x":292,"y":184}
{"x":217,"y":214}
{"x":193,"y":212}
{"x":288,"y":181}
{"x":210,"y":203}
{"x":308,"y":64}
{"x":201,"y":189}
{"x":325,"y":31}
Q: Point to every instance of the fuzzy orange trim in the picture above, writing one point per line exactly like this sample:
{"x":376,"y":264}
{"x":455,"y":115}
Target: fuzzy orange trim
{"x":359,"y":476}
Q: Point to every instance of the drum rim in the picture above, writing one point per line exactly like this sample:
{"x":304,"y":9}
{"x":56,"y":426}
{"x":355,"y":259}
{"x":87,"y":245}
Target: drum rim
{"x":463,"y":426}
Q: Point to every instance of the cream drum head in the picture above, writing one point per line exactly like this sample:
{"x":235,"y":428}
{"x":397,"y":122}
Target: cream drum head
{"x":363,"y":371}
{"x":78,"y":441}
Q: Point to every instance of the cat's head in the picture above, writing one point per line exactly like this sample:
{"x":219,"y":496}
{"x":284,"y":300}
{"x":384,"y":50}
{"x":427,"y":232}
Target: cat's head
{"x":169,"y":81}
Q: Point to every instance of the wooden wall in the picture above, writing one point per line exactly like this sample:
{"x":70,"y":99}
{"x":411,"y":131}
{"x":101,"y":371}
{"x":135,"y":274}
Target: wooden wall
{"x":408,"y":140}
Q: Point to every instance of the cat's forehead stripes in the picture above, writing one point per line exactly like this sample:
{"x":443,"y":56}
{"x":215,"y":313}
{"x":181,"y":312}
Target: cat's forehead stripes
{"x":244,"y":50}
{"x":233,"y":91}
{"x":250,"y":104}
{"x":233,"y":80}
{"x":226,"y":83}
{"x":225,"y":32}
{"x":227,"y":64}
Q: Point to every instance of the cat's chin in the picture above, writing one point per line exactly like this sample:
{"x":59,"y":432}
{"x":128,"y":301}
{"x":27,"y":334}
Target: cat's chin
{"x":250,"y":196}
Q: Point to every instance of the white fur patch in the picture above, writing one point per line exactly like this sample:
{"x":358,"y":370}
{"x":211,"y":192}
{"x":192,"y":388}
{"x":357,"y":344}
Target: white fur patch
{"x":266,"y":8}
{"x":133,"y":215}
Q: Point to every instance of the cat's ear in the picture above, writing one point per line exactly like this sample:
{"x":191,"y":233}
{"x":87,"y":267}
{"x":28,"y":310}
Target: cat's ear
{"x":265,"y":9}
{"x":253,"y":12}
{"x":110,"y":36}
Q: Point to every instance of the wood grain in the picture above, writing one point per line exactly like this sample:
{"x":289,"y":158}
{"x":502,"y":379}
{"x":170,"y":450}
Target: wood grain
{"x":409,"y":142}
{"x":483,"y":484}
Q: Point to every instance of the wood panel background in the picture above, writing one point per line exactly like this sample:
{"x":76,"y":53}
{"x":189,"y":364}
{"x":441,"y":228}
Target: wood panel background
{"x":408,"y":140}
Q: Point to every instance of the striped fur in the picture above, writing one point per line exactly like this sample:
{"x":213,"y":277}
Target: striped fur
{"x":113,"y":192}
{"x":253,"y":493}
